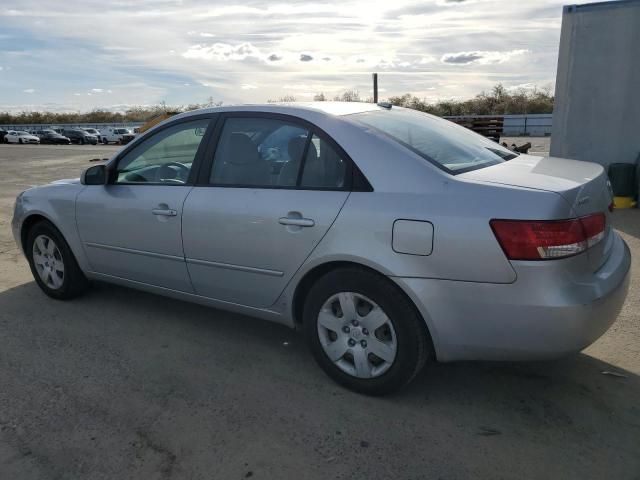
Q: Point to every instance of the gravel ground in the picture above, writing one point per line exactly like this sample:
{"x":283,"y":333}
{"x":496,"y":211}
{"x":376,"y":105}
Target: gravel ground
{"x":122,"y":384}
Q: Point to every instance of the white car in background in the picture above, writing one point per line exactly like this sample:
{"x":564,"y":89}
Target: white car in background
{"x":19,"y":136}
{"x":113,"y":134}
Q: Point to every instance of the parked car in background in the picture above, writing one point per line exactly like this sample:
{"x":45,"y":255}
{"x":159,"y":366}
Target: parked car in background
{"x":114,"y":135}
{"x":92,"y":131}
{"x":2,"y":135}
{"x":20,"y":136}
{"x":390,"y":237}
{"x":79,"y":136}
{"x":53,"y":137}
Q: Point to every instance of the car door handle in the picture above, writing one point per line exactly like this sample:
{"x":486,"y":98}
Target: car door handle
{"x":298,"y":222}
{"x":165,"y":212}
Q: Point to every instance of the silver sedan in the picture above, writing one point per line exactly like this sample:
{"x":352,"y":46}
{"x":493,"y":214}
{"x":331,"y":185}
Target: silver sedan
{"x":392,"y":238}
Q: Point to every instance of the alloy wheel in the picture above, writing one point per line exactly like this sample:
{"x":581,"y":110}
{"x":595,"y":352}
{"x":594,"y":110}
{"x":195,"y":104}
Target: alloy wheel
{"x":48,"y":262}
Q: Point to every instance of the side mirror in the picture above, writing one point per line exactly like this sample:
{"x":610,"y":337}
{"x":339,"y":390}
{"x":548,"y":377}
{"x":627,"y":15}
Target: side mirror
{"x":96,"y":175}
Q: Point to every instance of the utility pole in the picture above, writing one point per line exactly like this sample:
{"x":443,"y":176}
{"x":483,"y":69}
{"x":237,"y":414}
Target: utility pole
{"x":375,"y":88}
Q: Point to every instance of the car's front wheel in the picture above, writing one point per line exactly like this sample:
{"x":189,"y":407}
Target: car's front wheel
{"x":52,"y":263}
{"x":364,"y":332}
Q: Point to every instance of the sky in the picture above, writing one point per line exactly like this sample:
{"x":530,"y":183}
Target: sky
{"x":77,"y":55}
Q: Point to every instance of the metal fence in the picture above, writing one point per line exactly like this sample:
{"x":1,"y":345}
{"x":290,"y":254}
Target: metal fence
{"x":527,"y":125}
{"x":39,"y":126}
{"x":532,"y":125}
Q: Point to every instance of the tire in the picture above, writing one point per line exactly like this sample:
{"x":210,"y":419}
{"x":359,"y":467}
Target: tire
{"x":104,"y":141}
{"x":20,"y":141}
{"x":61,"y":283}
{"x":404,"y":332}
{"x":81,"y":142}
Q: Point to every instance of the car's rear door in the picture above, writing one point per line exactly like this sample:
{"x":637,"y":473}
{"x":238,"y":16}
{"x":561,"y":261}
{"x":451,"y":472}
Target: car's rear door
{"x":274,"y":188}
{"x":131,"y":228}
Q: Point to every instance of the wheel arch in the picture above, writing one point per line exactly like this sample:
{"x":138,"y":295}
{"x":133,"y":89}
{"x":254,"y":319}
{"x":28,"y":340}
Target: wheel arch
{"x":310,"y":277}
{"x":28,"y":223}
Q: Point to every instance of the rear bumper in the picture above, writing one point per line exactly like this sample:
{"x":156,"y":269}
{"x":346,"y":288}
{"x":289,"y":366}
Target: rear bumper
{"x":549,"y":311}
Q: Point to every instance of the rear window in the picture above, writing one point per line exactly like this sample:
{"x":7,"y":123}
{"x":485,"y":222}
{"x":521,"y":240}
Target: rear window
{"x":450,"y":147}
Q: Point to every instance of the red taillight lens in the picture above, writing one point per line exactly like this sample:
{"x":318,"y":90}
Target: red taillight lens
{"x":548,"y":239}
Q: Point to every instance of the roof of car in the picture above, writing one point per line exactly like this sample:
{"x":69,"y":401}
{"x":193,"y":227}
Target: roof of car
{"x":329,"y":108}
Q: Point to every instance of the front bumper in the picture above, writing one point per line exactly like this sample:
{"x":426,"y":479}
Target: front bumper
{"x":549,"y":311}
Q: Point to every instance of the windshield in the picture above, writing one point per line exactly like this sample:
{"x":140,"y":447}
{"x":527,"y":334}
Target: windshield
{"x":451,"y":147}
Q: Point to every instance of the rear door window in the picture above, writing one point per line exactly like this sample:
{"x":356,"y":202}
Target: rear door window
{"x":259,"y":152}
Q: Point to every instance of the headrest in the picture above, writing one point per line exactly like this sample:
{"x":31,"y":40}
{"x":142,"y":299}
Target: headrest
{"x":242,"y":150}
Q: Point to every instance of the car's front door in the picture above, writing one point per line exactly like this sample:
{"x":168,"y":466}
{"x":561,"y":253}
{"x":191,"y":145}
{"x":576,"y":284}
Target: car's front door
{"x":131,"y":227}
{"x":275,"y":188}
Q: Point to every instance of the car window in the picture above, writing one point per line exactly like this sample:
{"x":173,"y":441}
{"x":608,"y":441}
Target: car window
{"x":451,"y":147}
{"x":258,"y":152}
{"x":323,"y":167}
{"x":165,"y":158}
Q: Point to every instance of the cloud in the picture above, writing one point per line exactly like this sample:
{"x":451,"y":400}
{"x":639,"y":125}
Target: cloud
{"x":247,"y":86}
{"x":218,"y":47}
{"x":97,"y":90}
{"x":222,"y":52}
{"x":28,"y":90}
{"x":481,"y":57}
{"x":462,"y":57}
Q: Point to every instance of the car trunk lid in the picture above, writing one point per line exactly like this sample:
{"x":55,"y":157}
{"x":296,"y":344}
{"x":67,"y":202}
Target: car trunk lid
{"x":583,"y":185}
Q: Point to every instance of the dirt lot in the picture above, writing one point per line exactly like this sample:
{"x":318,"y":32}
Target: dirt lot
{"x":121,"y":384}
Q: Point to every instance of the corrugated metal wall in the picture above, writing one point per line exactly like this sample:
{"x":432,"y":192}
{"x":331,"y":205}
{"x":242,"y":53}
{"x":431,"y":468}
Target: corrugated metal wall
{"x":597,"y":104}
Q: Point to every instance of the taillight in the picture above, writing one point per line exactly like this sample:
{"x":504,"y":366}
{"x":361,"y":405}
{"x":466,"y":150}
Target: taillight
{"x":548,"y":239}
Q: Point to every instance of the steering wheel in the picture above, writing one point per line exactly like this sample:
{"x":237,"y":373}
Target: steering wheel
{"x":166,"y":174}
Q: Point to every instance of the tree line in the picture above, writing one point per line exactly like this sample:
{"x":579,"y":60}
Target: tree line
{"x":498,"y":101}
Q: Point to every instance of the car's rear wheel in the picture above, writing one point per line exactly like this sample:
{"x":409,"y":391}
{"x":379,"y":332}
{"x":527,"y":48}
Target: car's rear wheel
{"x":364,"y":332}
{"x":20,"y":141}
{"x":52,"y":263}
{"x":104,"y":141}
